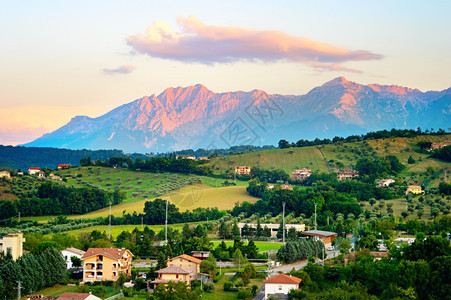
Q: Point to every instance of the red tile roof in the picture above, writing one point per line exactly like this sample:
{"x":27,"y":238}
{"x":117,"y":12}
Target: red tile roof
{"x":282,"y":278}
{"x":114,"y":253}
{"x":188,"y":257}
{"x":34,"y":168}
{"x":73,"y":296}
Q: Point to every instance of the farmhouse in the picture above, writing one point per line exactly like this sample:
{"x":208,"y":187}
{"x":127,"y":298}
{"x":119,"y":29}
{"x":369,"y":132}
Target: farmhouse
{"x":279,"y":286}
{"x":414,"y":189}
{"x":64,"y":166}
{"x":437,"y":146}
{"x":273,"y":227}
{"x":33,"y":170}
{"x":347,"y":174}
{"x":385,"y":182}
{"x":301,"y":174}
{"x":326,"y":237}
{"x":106,"y":264}
{"x":203,"y":158}
{"x":285,"y":186}
{"x":69,"y":252}
{"x":242,"y":170}
{"x":5,"y":174}
{"x":12,"y":243}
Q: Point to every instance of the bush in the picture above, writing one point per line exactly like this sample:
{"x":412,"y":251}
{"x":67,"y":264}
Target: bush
{"x":209,"y":286}
{"x":245,"y":294}
{"x":239,"y":282}
{"x":228,"y":286}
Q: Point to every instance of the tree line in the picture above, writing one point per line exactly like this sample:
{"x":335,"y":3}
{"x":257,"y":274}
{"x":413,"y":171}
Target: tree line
{"x":381,"y":134}
{"x":35,"y":272}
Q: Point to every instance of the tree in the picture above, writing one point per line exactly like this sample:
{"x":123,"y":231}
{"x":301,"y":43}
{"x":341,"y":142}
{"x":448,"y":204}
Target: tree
{"x":344,"y":246}
{"x":292,"y":234}
{"x":404,"y":214}
{"x":410,"y":160}
{"x":208,"y":266}
{"x":372,"y":201}
{"x":283,"y":144}
{"x":251,"y":249}
{"x":238,"y":258}
{"x":259,"y":230}
{"x":175,"y":291}
{"x":162,"y":260}
{"x":76,"y":262}
{"x":236,"y":231}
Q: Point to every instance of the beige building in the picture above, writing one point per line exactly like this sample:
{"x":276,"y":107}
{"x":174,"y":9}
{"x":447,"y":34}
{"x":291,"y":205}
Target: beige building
{"x":385,"y":182}
{"x":171,"y":273}
{"x":106,"y":264}
{"x":12,"y":243}
{"x":5,"y":174}
{"x":242,"y":170}
{"x":273,"y":227}
{"x":347,"y":174}
{"x":301,"y":174}
{"x":414,"y":189}
{"x":187,"y":263}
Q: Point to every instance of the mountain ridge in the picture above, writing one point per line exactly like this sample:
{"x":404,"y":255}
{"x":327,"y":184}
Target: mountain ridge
{"x":194,"y":116}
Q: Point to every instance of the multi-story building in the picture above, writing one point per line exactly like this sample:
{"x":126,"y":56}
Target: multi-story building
{"x":347,"y":174}
{"x":187,"y":263}
{"x":69,"y":252}
{"x":12,"y":243}
{"x":242,"y":170}
{"x":106,"y":264}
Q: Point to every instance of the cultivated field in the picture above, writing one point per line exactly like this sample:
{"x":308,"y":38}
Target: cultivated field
{"x":284,"y":159}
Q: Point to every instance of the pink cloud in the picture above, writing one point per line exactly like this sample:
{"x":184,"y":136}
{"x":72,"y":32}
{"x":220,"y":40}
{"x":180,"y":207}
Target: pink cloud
{"x":207,"y":44}
{"x":125,"y":69}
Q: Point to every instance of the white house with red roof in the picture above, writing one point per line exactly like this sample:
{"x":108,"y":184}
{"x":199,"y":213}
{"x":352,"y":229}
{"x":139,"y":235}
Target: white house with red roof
{"x":69,"y":252}
{"x":34,"y":170}
{"x":279,"y":286}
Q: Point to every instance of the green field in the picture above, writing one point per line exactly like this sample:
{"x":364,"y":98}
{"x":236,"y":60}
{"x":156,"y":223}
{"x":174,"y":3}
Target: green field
{"x":262,"y":246}
{"x":284,"y":159}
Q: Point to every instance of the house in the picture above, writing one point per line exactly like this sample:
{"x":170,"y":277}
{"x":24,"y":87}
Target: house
{"x":242,"y":170}
{"x":351,"y":257}
{"x":34,"y":170}
{"x":301,"y":174}
{"x":64,"y":166}
{"x":78,"y":296}
{"x":12,"y":243}
{"x":69,"y":252}
{"x":188,"y":156}
{"x":273,"y":227}
{"x":285,"y":186}
{"x":326,"y":237}
{"x":385,"y":182}
{"x":54,"y":177}
{"x":414,"y":189}
{"x":203,"y":158}
{"x":5,"y":174}
{"x":279,"y":286}
{"x":171,"y":273}
{"x":200,"y":254}
{"x":106,"y":264}
{"x":41,"y":174}
{"x":437,"y":146}
{"x":187,"y":263}
{"x":41,"y":297}
{"x":347,"y":174}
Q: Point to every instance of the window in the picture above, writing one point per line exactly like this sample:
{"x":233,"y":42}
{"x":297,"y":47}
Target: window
{"x":176,"y":275}
{"x":280,"y":287}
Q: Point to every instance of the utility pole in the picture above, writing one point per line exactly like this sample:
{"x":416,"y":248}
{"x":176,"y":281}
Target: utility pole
{"x":166,"y":224}
{"x":283,"y":222}
{"x":19,"y":216}
{"x":142,"y":222}
{"x":18,"y":290}
{"x":315,"y":217}
{"x":109,"y":224}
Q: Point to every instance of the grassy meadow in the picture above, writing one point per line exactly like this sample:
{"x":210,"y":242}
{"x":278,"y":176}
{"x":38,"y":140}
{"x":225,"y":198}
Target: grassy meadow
{"x":284,"y":159}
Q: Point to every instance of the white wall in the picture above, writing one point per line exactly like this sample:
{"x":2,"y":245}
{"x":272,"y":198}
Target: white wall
{"x":273,"y":288}
{"x":67,"y":255}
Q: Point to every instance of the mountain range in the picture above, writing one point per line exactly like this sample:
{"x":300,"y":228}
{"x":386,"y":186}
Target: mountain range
{"x":195,"y":117}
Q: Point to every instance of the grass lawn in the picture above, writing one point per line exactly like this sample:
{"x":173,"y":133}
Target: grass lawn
{"x":58,"y":290}
{"x":117,"y":229}
{"x":262,"y":246}
{"x":219,"y":293}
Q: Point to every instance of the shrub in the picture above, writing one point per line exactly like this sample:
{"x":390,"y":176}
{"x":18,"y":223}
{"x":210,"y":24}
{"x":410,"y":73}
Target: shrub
{"x":228,"y":285}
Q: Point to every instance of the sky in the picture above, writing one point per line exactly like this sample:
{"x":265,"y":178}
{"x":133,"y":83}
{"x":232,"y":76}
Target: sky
{"x":60,"y":59}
